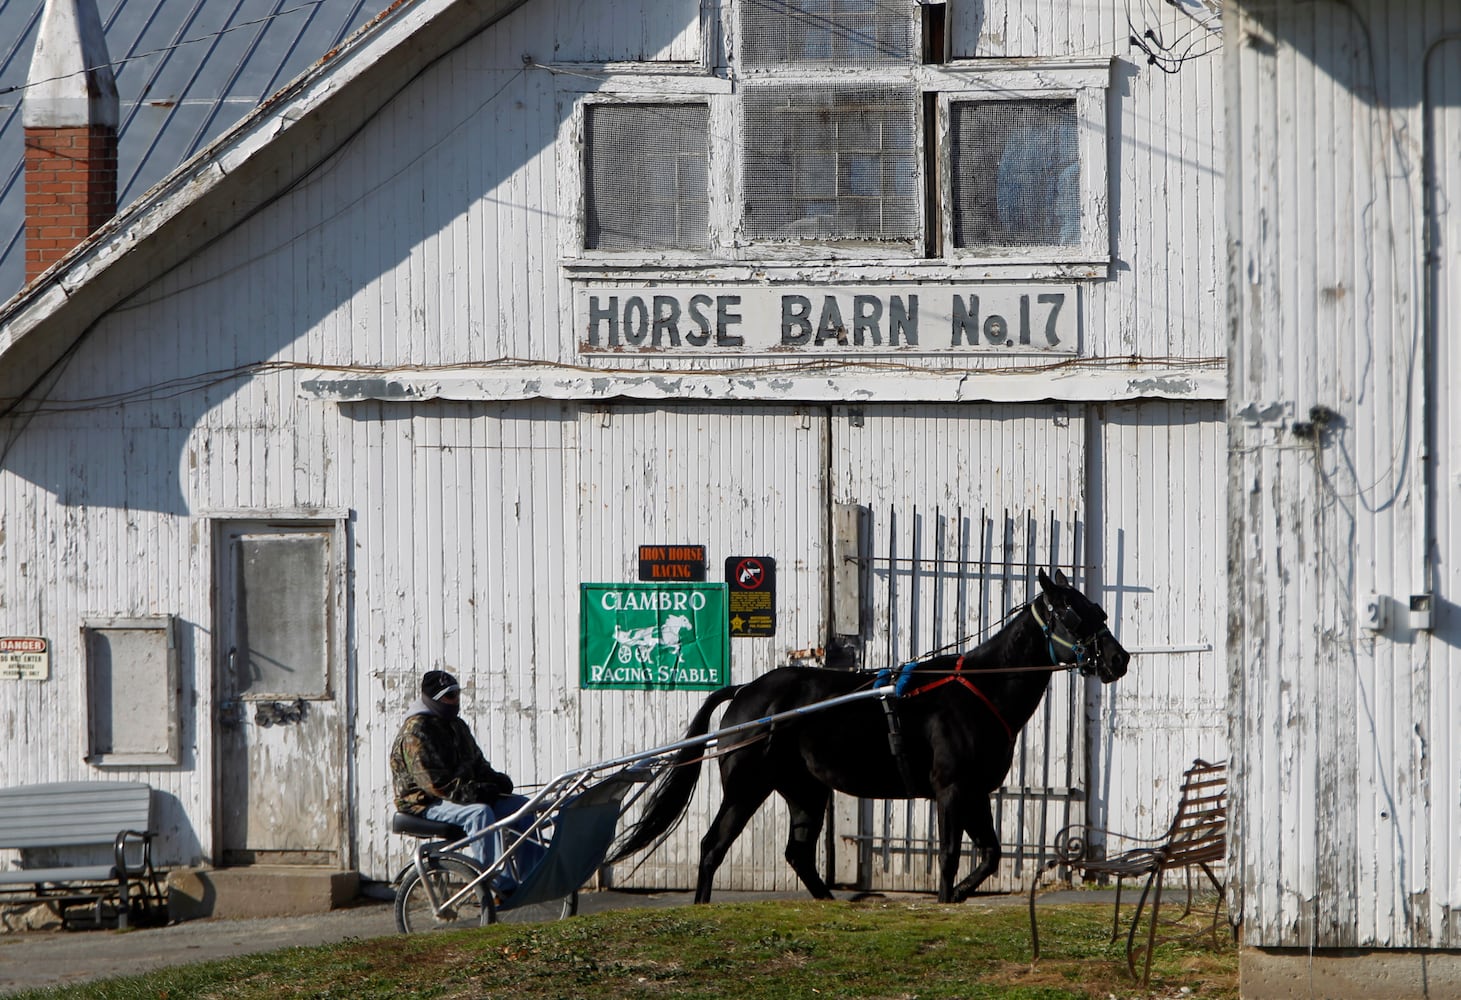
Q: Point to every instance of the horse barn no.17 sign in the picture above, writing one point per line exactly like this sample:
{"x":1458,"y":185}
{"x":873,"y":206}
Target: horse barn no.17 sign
{"x":643,"y":636}
{"x":866,"y":319}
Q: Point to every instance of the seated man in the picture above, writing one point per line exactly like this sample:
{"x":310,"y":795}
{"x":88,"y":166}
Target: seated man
{"x":439,"y":772}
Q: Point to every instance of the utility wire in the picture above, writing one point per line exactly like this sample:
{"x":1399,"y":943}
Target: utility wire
{"x":15,"y":88}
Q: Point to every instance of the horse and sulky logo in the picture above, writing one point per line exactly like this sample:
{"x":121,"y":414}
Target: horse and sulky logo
{"x":645,"y":636}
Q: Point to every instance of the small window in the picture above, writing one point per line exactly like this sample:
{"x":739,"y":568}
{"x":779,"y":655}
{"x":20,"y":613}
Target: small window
{"x":1016,"y":174}
{"x":132,"y":691}
{"x":831,"y":163}
{"x":813,"y":32}
{"x":281,"y":612}
{"x":647,"y":170}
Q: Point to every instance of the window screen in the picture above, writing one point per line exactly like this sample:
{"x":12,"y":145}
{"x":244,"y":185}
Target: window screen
{"x":647,"y":176}
{"x":790,"y":32}
{"x":283,"y":614}
{"x":831,"y":163}
{"x":1016,"y":174}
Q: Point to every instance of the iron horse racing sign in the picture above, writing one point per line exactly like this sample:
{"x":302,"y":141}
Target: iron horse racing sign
{"x":653,"y":636}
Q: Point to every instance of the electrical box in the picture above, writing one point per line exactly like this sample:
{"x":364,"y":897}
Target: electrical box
{"x":1420,"y":612}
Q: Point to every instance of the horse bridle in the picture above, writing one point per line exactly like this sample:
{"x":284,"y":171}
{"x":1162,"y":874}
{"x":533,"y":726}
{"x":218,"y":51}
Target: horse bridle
{"x":1082,"y":649}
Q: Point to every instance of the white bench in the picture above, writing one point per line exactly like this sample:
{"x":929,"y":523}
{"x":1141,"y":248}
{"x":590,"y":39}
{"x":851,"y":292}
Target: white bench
{"x":114,"y":814}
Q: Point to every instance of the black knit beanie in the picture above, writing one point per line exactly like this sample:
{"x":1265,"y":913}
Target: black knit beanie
{"x":436,"y":683}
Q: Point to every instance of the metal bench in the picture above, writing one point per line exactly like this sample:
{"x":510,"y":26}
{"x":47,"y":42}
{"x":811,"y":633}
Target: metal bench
{"x":76,"y":815}
{"x":1197,"y":838}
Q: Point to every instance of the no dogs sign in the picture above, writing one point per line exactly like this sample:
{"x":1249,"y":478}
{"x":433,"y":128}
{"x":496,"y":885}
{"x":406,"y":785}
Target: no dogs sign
{"x":751,"y":581}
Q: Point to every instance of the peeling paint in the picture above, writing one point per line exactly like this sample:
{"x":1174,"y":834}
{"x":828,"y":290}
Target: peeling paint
{"x":1168,"y":386}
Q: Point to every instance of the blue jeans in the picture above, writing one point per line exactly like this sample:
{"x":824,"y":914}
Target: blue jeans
{"x":475,"y":817}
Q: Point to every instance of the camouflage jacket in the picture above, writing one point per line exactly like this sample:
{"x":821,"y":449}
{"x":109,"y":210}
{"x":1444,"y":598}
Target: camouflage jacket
{"x":435,"y":758}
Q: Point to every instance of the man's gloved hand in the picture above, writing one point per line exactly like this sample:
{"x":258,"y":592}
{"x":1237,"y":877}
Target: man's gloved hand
{"x":494,"y":786}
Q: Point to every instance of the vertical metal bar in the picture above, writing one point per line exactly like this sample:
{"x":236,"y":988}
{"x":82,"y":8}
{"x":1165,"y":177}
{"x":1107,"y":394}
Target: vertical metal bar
{"x":1052,"y":550}
{"x":986,"y":553}
{"x":961,"y":593}
{"x":886,"y":846}
{"x":1075,"y":762}
{"x":915,"y":591}
{"x":938,"y":578}
{"x":985,"y":528}
{"x":1030,"y":531}
{"x":915,"y":581}
{"x":892,"y":656}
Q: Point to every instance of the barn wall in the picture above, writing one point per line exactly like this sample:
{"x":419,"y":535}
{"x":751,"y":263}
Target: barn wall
{"x":1342,"y":698}
{"x":1158,"y":476}
{"x":432,"y":239}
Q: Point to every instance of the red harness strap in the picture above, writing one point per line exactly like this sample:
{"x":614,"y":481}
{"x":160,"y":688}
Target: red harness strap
{"x":958,"y":676}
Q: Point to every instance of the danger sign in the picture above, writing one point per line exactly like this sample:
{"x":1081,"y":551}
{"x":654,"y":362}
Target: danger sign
{"x":25,"y":658}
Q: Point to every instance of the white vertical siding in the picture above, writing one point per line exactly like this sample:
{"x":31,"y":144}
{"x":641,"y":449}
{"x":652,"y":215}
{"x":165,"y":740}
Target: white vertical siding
{"x":1157,"y":485}
{"x":1347,"y":812}
{"x":1445,"y":646}
{"x":741,"y":481}
{"x":430,"y":239}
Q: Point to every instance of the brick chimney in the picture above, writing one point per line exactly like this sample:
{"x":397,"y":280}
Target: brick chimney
{"x":70,"y":116}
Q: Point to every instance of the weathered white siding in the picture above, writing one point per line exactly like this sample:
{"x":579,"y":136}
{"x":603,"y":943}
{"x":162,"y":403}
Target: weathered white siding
{"x":1158,"y":482}
{"x":1346,"y":834}
{"x":432,"y":239}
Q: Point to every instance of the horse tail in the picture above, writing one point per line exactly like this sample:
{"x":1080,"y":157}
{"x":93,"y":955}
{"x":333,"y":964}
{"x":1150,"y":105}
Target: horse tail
{"x":666,"y":804}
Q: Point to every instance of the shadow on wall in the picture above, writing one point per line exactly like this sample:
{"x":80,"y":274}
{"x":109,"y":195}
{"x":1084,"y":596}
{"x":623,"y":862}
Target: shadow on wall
{"x":188,"y":377}
{"x":185,"y":72}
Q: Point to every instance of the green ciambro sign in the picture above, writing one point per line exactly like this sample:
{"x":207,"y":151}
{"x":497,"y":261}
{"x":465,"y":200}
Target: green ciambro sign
{"x":645,"y":636}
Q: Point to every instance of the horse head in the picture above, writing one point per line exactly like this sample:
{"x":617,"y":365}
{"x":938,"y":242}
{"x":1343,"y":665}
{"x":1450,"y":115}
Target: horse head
{"x":1076,"y":629}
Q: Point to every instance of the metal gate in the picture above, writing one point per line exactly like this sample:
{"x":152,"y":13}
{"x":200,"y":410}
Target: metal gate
{"x":940,"y":579}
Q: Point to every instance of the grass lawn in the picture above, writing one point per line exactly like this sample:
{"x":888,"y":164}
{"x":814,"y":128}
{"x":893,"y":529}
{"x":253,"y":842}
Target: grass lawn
{"x":872,"y":948}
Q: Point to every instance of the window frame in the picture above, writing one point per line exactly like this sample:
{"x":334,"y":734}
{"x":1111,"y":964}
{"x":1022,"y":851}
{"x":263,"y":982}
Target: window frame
{"x":1086,"y":81}
{"x":169,"y":754}
{"x":641,"y":88}
{"x":1085,"y":84}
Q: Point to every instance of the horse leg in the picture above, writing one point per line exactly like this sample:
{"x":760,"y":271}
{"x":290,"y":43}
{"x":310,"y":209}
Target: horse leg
{"x":950,"y":833}
{"x":736,"y":809}
{"x":978,"y":821}
{"x":807,"y":804}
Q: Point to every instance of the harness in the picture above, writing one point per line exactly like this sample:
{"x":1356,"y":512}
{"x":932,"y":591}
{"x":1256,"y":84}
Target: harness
{"x":1080,"y":648}
{"x":1077,"y":647}
{"x":900,"y":691}
{"x":959,"y":677}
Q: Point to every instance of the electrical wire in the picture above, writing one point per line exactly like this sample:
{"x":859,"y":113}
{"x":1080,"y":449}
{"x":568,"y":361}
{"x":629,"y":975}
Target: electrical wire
{"x":1166,"y":56}
{"x":19,"y":87}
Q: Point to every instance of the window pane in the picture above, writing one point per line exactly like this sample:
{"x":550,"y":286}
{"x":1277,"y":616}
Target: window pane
{"x":647,"y":176}
{"x":830,"y":163}
{"x":283,"y":614}
{"x":1016,"y":174}
{"x":791,"y":32}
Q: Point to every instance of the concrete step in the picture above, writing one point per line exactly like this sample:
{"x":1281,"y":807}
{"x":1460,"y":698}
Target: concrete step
{"x":258,"y":891}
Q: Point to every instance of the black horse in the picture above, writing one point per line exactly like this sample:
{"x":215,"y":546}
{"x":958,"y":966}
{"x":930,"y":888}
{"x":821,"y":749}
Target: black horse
{"x":958,"y":717}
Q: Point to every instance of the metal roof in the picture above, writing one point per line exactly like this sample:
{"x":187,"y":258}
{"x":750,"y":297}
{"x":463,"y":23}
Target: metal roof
{"x":186,"y":70}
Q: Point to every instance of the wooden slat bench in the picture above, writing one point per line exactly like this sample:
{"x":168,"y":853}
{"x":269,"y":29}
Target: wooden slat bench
{"x":83,"y":814}
{"x":1196,"y":838}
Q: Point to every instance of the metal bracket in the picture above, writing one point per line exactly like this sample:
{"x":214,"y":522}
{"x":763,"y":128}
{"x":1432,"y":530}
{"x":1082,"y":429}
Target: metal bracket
{"x":271,"y":713}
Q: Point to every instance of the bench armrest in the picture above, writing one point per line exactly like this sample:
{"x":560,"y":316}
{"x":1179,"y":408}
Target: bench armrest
{"x":119,"y":850}
{"x":1072,"y":843}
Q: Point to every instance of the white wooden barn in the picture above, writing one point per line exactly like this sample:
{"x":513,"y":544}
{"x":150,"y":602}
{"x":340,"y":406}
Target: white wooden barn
{"x":498,"y":292}
{"x":1344,"y":154}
